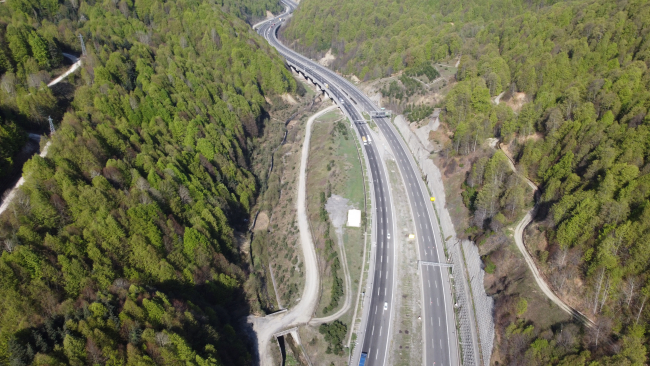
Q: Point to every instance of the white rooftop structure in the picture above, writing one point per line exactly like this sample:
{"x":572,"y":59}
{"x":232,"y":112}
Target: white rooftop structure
{"x":354,"y":218}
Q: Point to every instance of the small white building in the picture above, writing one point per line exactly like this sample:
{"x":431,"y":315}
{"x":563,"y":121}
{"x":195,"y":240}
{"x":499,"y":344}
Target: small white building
{"x":354,"y":218}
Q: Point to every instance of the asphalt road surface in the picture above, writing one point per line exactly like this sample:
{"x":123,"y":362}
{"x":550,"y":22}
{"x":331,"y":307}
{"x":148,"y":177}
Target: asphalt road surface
{"x":439,"y":335}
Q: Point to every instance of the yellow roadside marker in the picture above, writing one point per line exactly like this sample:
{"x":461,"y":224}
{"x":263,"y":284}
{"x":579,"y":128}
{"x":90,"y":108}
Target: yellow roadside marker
{"x":433,"y":199}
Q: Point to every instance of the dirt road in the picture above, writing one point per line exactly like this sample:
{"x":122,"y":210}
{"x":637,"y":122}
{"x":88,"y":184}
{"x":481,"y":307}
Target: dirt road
{"x":519,"y":240}
{"x":302,"y":313}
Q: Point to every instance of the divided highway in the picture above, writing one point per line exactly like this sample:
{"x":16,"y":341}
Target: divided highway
{"x":439,"y":335}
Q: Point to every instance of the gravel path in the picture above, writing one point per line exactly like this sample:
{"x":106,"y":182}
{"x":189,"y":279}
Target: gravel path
{"x":302,"y":313}
{"x":498,"y":98}
{"x":73,"y":68}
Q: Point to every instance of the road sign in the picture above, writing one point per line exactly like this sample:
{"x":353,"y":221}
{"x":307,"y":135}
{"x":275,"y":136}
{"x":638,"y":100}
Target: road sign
{"x":381,"y":114}
{"x":434,"y":264}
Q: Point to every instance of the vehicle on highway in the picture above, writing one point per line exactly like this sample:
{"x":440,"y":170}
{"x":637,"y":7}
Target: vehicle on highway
{"x":342,"y":101}
{"x":385,"y":306}
{"x":364,"y":140}
{"x":327,"y":86}
{"x":388,"y":236}
{"x":362,"y":360}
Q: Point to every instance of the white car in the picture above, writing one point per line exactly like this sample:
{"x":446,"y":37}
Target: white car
{"x":342,"y":101}
{"x":385,"y":306}
{"x":388,"y":235}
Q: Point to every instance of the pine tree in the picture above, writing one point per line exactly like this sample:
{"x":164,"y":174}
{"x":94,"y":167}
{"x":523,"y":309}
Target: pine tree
{"x":17,"y":43}
{"x":40,"y":49}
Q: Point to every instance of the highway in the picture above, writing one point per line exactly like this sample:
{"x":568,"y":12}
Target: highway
{"x":439,"y":336}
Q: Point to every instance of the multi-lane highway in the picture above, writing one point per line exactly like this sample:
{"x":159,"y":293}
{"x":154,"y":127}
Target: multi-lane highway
{"x":439,"y":336}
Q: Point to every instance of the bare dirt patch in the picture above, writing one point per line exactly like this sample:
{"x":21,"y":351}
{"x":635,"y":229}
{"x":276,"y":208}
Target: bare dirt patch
{"x":289,"y":99}
{"x":262,"y":222}
{"x":327,"y":59}
{"x":337,"y":207}
{"x":515,"y":101}
{"x":537,"y":136}
{"x":440,"y":137}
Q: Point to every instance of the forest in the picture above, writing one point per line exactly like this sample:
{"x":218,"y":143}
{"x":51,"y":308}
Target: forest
{"x":120,"y":246}
{"x":581,"y":134}
{"x":373,"y":39}
{"x":31,"y":53}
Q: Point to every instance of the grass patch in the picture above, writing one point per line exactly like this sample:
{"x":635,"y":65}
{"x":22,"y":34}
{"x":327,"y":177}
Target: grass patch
{"x":334,"y":168}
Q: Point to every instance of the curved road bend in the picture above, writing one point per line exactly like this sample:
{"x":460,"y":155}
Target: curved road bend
{"x":438,"y":318}
{"x":380,"y":308}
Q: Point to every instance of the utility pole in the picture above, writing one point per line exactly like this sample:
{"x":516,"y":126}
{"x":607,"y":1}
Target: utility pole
{"x":49,"y":118}
{"x":83,"y":46}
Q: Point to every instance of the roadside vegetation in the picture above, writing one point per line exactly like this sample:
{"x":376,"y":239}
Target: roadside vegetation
{"x":334,"y":334}
{"x":417,"y":113}
{"x":334,"y":169}
{"x":319,"y":190}
{"x":334,"y":264}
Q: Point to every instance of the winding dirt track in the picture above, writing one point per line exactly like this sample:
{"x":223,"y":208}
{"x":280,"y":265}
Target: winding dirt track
{"x":302,"y":313}
{"x":539,"y":278}
{"x":76,"y":64}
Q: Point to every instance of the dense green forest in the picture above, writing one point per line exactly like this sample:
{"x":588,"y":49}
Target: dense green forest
{"x":250,"y":10}
{"x":33,"y":35}
{"x":374,"y":39}
{"x":119,"y":248}
{"x":583,"y":137}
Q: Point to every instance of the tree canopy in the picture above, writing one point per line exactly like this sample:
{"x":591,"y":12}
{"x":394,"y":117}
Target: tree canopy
{"x":582,"y":134}
{"x":373,"y":39}
{"x":119,"y":248}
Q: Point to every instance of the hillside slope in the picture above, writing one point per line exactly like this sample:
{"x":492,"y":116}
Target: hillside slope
{"x":119,"y":248}
{"x":373,"y":39}
{"x":574,"y":118}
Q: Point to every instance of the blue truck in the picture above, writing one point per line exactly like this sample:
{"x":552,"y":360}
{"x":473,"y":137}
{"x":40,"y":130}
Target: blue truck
{"x":362,"y":360}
